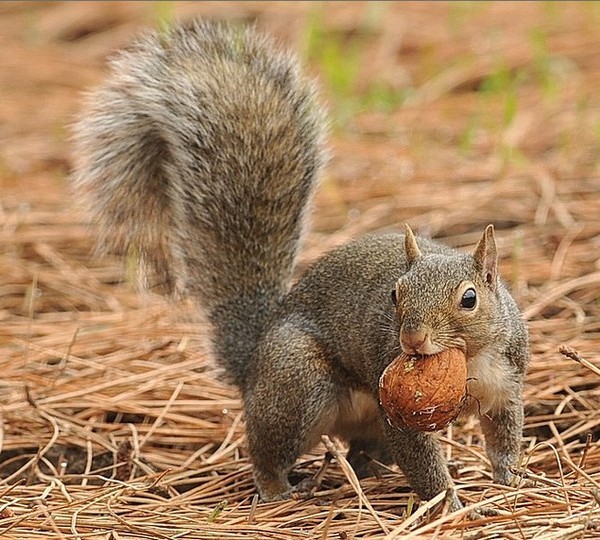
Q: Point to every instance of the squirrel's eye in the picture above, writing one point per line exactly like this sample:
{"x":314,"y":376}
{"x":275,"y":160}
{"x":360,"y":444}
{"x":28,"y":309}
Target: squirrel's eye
{"x":394,"y":297}
{"x":469,"y":299}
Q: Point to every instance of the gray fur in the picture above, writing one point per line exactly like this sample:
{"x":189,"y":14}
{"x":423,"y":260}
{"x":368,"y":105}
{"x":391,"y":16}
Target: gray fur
{"x":199,"y":156}
{"x":197,"y":138}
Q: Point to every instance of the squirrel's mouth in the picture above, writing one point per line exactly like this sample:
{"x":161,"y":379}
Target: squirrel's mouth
{"x":422,"y":351}
{"x":433,"y":351}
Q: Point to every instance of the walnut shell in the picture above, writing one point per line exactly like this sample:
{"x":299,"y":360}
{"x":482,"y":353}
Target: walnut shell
{"x":424,"y":392}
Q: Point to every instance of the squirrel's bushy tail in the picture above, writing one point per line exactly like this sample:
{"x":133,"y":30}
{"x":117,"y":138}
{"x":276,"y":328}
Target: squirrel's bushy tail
{"x":198,"y":156}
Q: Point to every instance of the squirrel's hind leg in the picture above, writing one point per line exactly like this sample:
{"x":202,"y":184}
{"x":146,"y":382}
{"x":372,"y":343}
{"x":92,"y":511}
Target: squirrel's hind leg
{"x":364,"y":454}
{"x":289,"y":403}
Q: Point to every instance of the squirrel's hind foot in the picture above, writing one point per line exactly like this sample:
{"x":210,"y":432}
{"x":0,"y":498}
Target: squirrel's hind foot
{"x":305,"y":489}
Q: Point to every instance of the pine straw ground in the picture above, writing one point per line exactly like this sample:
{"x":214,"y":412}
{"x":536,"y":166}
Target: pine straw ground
{"x":115,"y":424}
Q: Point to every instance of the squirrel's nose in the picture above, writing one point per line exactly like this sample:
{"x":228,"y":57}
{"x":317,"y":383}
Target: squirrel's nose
{"x":415,"y":341}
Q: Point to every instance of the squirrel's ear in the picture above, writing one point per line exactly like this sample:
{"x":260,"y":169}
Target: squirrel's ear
{"x":410,"y":245}
{"x":486,"y":257}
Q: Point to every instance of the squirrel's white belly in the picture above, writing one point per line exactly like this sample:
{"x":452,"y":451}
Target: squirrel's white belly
{"x":490,"y":383}
{"x":357,"y":415}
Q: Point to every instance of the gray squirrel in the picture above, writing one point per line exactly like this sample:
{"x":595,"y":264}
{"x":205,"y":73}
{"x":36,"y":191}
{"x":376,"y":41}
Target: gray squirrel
{"x":200,"y":155}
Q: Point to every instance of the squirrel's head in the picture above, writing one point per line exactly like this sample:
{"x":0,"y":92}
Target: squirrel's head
{"x":447,"y":299}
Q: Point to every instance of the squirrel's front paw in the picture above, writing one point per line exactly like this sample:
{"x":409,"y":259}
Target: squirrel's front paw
{"x":482,"y":513}
{"x":452,"y":503}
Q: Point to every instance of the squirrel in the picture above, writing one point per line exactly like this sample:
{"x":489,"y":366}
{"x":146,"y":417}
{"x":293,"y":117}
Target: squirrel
{"x":200,"y":155}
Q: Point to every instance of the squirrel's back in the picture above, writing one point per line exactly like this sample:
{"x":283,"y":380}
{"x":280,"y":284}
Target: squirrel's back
{"x":199,"y":156}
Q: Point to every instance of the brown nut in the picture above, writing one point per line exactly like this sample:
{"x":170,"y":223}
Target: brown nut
{"x":424,"y":393}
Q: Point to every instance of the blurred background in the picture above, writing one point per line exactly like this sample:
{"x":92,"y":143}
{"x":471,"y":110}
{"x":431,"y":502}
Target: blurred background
{"x":439,"y":109}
